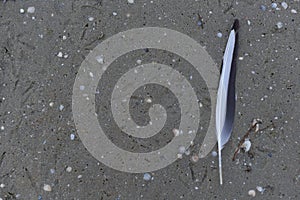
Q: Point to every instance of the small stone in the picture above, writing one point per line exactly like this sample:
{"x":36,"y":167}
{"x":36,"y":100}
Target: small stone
{"x":2,"y":185}
{"x":147,"y":177}
{"x":60,"y":54}
{"x":22,"y":11}
{"x":51,"y":104}
{"x":31,"y":9}
{"x":139,"y":62}
{"x":72,"y":136}
{"x":214,"y":153}
{"x":79,"y":176}
{"x":284,"y":5}
{"x":241,"y":58}
{"x":219,"y":35}
{"x":69,"y":169}
{"x":115,"y":14}
{"x":2,"y":128}
{"x":47,"y":188}
{"x":131,"y":1}
{"x":293,"y":11}
{"x":252,"y":193}
{"x":279,"y":25}
{"x":64,"y":37}
{"x":52,"y":171}
{"x":179,"y":156}
{"x":91,"y":19}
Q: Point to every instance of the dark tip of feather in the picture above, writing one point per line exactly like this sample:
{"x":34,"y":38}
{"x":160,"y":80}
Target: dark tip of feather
{"x":236,"y":25}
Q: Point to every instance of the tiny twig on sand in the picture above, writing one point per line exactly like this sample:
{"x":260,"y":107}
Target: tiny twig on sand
{"x":253,"y":127}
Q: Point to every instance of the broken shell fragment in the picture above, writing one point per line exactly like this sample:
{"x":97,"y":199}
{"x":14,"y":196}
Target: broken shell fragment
{"x":246,"y":145}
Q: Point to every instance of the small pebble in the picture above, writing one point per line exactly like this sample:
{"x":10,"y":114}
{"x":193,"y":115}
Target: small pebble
{"x":31,"y":9}
{"x":284,"y":5}
{"x":279,"y":25}
{"x":52,"y":171}
{"x":2,"y":185}
{"x":51,"y":104}
{"x":72,"y":136}
{"x":214,"y":153}
{"x":64,"y":37}
{"x":79,"y":176}
{"x":115,"y":14}
{"x":147,"y":177}
{"x":2,"y":128}
{"x":47,"y":188}
{"x":131,"y":1}
{"x":252,"y":193}
{"x":22,"y":11}
{"x":199,"y":23}
{"x":69,"y":169}
{"x":91,"y":19}
{"x":219,"y":35}
{"x":139,"y":62}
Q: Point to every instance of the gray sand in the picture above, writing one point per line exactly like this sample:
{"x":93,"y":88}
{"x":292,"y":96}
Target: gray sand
{"x":37,"y":148}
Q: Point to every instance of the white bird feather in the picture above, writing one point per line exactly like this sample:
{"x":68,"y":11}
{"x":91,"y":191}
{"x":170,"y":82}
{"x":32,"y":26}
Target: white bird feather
{"x":226,"y":96}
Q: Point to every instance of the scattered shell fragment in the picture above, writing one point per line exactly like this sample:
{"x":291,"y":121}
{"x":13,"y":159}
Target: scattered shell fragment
{"x":61,"y":107}
{"x":148,"y":100}
{"x":260,"y":189}
{"x":69,"y":169}
{"x":60,"y":54}
{"x":274,"y":5}
{"x":100,"y":59}
{"x":246,"y":145}
{"x":72,"y":136}
{"x":279,"y":25}
{"x":195,"y":158}
{"x":181,"y":149}
{"x":31,"y":9}
{"x":284,"y":5}
{"x":147,"y":177}
{"x":47,"y":188}
{"x":293,"y":11}
{"x":252,"y":193}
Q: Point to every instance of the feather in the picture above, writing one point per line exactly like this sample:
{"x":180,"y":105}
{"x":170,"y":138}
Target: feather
{"x":226,"y":95}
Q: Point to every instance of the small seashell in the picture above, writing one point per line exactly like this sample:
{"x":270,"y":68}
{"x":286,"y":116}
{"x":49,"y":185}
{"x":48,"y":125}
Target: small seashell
{"x":246,"y":145}
{"x":252,"y":193}
{"x":260,"y":189}
{"x":47,"y":188}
